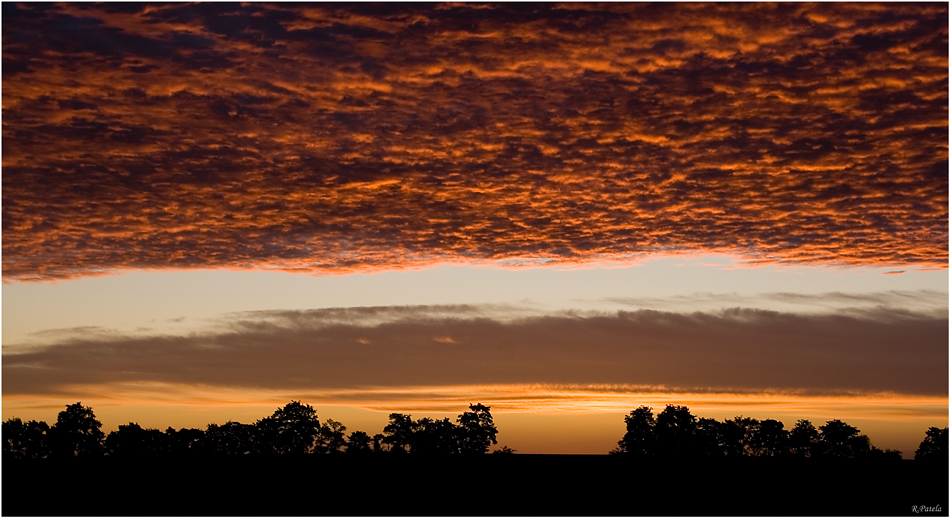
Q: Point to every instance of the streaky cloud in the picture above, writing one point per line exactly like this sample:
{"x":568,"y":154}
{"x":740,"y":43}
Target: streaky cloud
{"x":895,"y":302}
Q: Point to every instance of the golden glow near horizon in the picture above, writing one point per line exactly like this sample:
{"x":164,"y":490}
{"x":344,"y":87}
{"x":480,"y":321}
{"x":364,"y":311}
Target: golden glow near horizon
{"x":531,"y":419}
{"x":525,"y":399}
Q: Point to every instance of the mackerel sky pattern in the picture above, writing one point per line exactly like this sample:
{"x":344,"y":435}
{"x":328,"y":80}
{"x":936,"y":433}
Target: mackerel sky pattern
{"x":333,"y":138}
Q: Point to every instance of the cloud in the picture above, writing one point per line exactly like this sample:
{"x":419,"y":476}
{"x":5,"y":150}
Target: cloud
{"x":886,"y":304}
{"x":731,"y":351}
{"x":893,"y":298}
{"x":334,"y":138}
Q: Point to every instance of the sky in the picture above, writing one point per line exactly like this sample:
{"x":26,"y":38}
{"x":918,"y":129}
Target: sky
{"x":560,"y":211}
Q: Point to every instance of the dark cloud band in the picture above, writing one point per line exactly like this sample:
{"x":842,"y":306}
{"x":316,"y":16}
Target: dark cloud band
{"x":731,"y":351}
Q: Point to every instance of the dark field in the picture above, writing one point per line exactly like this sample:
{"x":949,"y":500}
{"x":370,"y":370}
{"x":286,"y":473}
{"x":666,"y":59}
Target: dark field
{"x":483,"y":486}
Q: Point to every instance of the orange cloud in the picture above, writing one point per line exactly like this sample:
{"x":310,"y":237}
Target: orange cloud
{"x":344,"y":138}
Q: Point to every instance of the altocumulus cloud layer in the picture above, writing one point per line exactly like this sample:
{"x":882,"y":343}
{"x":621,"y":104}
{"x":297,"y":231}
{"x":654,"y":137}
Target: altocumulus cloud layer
{"x":332,"y":138}
{"x":399,"y":348}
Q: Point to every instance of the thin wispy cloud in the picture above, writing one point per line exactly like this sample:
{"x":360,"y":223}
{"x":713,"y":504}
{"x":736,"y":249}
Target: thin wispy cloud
{"x":890,"y":302}
{"x":333,"y":138}
{"x":368,"y":316}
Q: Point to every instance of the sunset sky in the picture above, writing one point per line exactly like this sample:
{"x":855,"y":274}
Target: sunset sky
{"x":560,"y":211}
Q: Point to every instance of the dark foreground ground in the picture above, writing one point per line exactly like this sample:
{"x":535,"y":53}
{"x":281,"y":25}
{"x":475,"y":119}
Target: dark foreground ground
{"x":507,"y":485}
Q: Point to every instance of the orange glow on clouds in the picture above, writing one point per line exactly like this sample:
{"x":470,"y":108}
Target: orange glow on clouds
{"x":307,"y":139}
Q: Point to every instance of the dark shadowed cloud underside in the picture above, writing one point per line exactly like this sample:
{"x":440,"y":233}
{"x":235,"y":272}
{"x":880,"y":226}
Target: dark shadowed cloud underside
{"x":732,"y":351}
{"x":349,"y":137}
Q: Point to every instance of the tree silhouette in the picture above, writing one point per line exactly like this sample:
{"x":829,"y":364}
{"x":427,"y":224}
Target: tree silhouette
{"x":398,"y":433}
{"x":29,"y":440}
{"x":231,"y":438}
{"x":861,"y":446}
{"x":185,"y":442}
{"x":292,"y":430}
{"x":379,"y":443}
{"x":769,"y":439}
{"x":640,"y":438}
{"x":709,"y":439}
{"x":432,"y":437}
{"x":132,"y":440}
{"x":886,"y":454}
{"x":77,"y":433}
{"x":803,"y":439}
{"x":675,"y":431}
{"x":331,"y":438}
{"x":445,"y":437}
{"x":934,"y":445}
{"x":423,"y":437}
{"x":359,"y":443}
{"x":476,"y":430}
{"x":839,"y":439}
{"x":737,"y":436}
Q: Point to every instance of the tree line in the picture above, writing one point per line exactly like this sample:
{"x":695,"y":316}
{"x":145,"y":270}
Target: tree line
{"x":293,"y":429}
{"x":675,"y":432}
